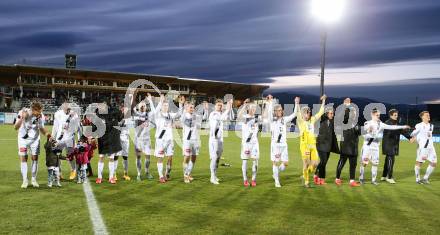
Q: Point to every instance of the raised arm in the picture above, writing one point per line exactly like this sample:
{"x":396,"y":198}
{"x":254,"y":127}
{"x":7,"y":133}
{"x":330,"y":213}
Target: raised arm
{"x":321,"y":109}
{"x":225,"y":114}
{"x":295,"y":111}
{"x":242,"y":111}
{"x":56,"y":124}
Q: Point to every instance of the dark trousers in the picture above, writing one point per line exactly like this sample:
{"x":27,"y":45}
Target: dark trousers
{"x":342,"y":160}
{"x":388,"y":166}
{"x":323,"y":159}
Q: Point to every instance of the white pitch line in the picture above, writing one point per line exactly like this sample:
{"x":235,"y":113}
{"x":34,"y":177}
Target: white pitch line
{"x":95,"y":214}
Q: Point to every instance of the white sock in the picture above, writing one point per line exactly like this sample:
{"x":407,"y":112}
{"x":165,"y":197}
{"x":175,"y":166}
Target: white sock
{"x":115,"y":164}
{"x":254,"y":170}
{"x":429,"y":170}
{"x":111,"y":170}
{"x":244,"y":169}
{"x":138,"y":165}
{"x":373,"y":172}
{"x":185,"y":168}
{"x":212,"y":167}
{"x":282,"y":167}
{"x":24,"y":169}
{"x":417,"y":172}
{"x":100,"y":169}
{"x":160,"y":169}
{"x":72,"y":165}
{"x":34,"y":168}
{"x":125,"y":162}
{"x":361,"y":172}
{"x":190,"y":167}
{"x":275,"y":173}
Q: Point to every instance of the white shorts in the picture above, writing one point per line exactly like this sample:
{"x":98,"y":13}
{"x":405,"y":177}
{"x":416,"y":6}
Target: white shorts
{"x":370,"y":153}
{"x":424,"y":154}
{"x":215,"y":148}
{"x":143,"y":145}
{"x":164,"y":148}
{"x":125,"y":144}
{"x":190,"y":148}
{"x":278,"y":152}
{"x":28,"y":144}
{"x":250,"y":150}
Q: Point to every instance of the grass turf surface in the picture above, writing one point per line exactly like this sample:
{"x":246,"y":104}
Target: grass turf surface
{"x":149,"y":207}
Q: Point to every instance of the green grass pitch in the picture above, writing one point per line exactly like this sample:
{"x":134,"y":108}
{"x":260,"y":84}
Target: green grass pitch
{"x":148,"y":207}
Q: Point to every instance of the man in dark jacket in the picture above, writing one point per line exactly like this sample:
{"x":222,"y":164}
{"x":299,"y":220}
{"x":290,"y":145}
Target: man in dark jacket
{"x":110,"y":143}
{"x":349,"y":145}
{"x":326,"y":143}
{"x":390,"y":146}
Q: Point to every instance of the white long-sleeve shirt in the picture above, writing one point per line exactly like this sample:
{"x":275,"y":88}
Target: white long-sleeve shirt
{"x":216,"y":120}
{"x":423,"y":134}
{"x":374,"y":131}
{"x":30,"y":127}
{"x":191,"y":124}
{"x":278,"y":126}
{"x":164,"y":122}
{"x":65,"y":125}
{"x":249,"y":129}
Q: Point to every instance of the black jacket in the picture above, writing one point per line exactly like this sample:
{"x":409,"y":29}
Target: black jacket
{"x":391,"y":139}
{"x":110,"y":142}
{"x":350,"y":142}
{"x":52,"y":155}
{"x":327,"y":141}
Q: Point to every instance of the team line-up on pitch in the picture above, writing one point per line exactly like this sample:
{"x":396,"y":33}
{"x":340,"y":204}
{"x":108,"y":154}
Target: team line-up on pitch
{"x":105,"y":127}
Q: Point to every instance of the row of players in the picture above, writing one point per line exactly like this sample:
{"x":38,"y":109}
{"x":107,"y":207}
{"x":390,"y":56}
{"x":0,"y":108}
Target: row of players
{"x":315,"y":149}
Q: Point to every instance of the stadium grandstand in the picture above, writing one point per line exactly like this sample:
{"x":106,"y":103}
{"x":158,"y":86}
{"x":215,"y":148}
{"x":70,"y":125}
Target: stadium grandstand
{"x":21,"y":84}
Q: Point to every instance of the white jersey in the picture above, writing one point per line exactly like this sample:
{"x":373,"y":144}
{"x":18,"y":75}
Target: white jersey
{"x":374,"y":131}
{"x":423,"y":134}
{"x":30,"y":127}
{"x":191,"y":124}
{"x":249,"y":129}
{"x":65,"y":125}
{"x":142,"y":124}
{"x":216,"y":124}
{"x":164,"y":123}
{"x":278,"y":126}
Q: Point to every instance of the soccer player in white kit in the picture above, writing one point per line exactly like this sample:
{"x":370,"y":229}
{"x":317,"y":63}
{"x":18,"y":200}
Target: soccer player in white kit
{"x":29,"y":123}
{"x":142,"y":140}
{"x":426,"y":151}
{"x":125,"y":144}
{"x":278,"y":145}
{"x":191,"y":123}
{"x":164,"y":147}
{"x":66,"y":125}
{"x":250,"y":149}
{"x":216,"y":119}
{"x":370,"y":150}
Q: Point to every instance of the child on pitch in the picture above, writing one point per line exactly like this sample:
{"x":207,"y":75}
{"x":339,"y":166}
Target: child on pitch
{"x":29,"y":123}
{"x":250,"y":149}
{"x":125,"y":144}
{"x":278,"y":128}
{"x":142,"y":142}
{"x":82,"y":152}
{"x":216,"y":119}
{"x":53,"y":157}
{"x":370,"y":150}
{"x":306,"y":125}
{"x":191,"y":122}
{"x":164,"y":120}
{"x":426,"y":151}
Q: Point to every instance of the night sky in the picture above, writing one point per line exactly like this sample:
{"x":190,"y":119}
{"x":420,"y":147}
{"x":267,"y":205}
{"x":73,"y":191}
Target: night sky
{"x":383,"y":49}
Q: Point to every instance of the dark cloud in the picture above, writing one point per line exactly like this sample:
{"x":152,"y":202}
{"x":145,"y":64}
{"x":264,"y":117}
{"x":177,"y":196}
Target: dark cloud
{"x":233,"y":40}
